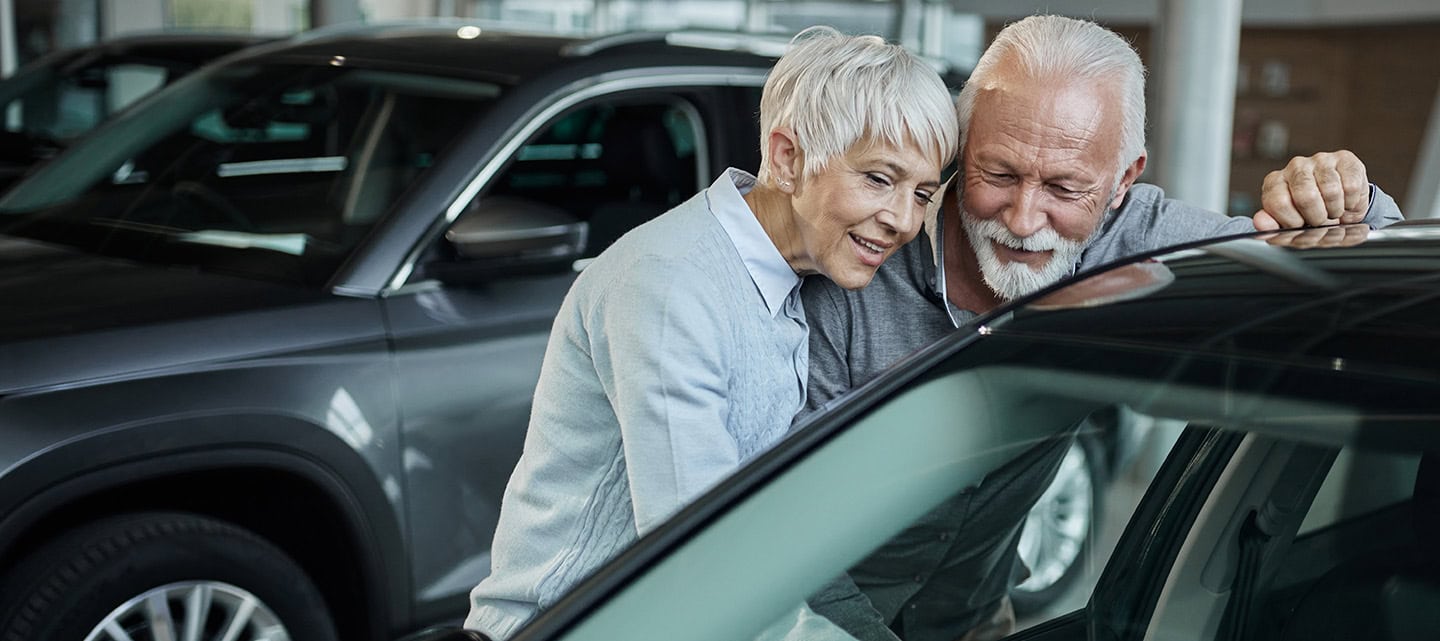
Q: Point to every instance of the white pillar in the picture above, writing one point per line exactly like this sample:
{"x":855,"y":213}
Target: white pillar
{"x":324,"y":13}
{"x":119,"y":17}
{"x":9,"y":55}
{"x":1199,"y":48}
{"x":1424,"y":198}
{"x":757,"y":16}
{"x":932,"y":29}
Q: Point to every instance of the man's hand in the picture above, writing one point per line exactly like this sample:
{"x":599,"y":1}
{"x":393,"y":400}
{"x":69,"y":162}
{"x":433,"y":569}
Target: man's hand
{"x":1325,"y":189}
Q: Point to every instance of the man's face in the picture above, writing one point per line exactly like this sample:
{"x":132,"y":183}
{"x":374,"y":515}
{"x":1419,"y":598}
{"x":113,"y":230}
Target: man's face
{"x":1039,"y":165}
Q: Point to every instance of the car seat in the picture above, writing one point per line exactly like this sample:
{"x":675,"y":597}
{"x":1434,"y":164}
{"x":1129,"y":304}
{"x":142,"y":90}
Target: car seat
{"x":644,"y":172}
{"x":1392,"y":594}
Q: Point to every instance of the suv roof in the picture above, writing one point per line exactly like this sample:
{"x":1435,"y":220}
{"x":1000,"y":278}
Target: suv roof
{"x":476,"y":50}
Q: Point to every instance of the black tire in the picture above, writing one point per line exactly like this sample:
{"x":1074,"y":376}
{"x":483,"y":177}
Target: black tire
{"x":67,"y":588}
{"x":1045,"y":586}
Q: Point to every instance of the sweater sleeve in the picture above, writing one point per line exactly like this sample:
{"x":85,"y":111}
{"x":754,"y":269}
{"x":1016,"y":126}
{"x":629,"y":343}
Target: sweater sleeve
{"x":1147,"y":220}
{"x":660,"y":345}
{"x":1383,"y":210}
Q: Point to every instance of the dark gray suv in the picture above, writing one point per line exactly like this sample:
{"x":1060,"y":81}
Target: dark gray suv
{"x":269,"y":339}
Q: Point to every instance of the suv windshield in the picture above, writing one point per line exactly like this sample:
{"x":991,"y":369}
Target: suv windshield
{"x":271,"y":171}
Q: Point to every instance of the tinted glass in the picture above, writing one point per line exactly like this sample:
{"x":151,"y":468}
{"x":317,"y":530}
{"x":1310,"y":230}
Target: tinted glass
{"x":612,"y":164}
{"x":275,"y":172}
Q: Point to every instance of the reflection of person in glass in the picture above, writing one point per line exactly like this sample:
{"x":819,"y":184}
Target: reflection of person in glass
{"x":681,"y":351}
{"x":1053,"y":119}
{"x":1127,"y":282}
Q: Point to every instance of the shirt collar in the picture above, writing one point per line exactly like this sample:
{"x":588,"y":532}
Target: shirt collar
{"x":934,"y":230}
{"x":772,"y":275}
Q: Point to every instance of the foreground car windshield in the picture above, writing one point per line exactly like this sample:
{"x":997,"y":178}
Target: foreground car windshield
{"x":271,"y":171}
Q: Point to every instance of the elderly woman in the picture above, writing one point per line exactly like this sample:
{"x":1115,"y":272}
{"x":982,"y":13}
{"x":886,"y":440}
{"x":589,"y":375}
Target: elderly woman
{"x":681,"y":351}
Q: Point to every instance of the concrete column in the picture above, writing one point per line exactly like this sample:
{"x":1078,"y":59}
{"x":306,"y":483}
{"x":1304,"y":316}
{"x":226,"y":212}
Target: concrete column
{"x":9,"y":55}
{"x":275,"y":16}
{"x":324,"y":13}
{"x":932,"y":29}
{"x":1424,"y":198}
{"x":119,"y":17}
{"x":757,"y":16}
{"x":1198,"y":50}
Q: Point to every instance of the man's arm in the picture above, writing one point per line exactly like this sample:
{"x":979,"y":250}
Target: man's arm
{"x":660,"y":347}
{"x":1147,"y":220}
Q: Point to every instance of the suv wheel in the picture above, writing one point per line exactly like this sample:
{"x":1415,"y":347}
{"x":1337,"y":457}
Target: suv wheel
{"x":1059,"y":528}
{"x":152,"y":576}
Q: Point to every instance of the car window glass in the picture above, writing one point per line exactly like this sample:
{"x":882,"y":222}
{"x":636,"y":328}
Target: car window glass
{"x":1359,"y":483}
{"x":275,"y":172}
{"x":65,"y":106}
{"x":1301,"y":541}
{"x":906,"y":524}
{"x":611,"y":164}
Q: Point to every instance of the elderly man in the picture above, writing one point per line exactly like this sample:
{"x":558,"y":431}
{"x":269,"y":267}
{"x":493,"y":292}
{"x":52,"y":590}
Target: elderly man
{"x":1052,"y":140}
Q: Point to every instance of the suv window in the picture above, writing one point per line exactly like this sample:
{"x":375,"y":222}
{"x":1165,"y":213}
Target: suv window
{"x":268,"y":171}
{"x":613,"y":164}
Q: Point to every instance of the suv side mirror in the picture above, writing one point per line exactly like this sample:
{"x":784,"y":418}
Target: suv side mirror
{"x":511,"y":236}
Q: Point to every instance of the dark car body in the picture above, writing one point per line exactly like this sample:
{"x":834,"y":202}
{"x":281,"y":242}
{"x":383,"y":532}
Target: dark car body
{"x":1303,"y":498}
{"x":305,"y":291}
{"x":60,"y":96}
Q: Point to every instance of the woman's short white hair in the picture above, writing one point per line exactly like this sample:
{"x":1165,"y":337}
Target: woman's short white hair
{"x":1057,"y":47}
{"x":835,"y":90}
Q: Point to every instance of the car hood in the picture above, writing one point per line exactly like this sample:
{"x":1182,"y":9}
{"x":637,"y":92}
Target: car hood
{"x":70,"y":316}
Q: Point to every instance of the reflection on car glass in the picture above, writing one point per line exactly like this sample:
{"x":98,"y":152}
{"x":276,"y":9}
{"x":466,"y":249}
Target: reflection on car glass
{"x":1128,"y":282}
{"x":1275,"y":261}
{"x":290,"y":243}
{"x":293,"y":244}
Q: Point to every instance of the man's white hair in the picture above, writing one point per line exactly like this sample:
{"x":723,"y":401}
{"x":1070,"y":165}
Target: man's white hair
{"x":1060,"y":49}
{"x":835,"y":90}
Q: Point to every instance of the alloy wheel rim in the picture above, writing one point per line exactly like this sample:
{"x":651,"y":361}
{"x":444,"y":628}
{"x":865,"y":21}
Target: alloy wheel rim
{"x":191,"y":611}
{"x":1056,"y":527}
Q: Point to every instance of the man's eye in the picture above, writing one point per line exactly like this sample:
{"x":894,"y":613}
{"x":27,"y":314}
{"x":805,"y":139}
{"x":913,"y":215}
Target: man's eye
{"x":924,"y":198}
{"x":877,"y":179}
{"x":1064,"y":192}
{"x":999,"y":178}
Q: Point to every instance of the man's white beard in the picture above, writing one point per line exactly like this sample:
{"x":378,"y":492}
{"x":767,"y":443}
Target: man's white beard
{"x":1011,"y":280}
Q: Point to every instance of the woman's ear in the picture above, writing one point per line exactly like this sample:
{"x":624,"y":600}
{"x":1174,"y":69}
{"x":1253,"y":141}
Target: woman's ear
{"x":785,"y":159}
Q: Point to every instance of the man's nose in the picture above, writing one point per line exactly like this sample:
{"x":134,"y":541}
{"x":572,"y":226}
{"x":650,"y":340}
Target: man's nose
{"x":1025,"y":215}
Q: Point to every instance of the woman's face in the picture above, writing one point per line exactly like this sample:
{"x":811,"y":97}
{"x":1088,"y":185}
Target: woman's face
{"x":859,"y":209}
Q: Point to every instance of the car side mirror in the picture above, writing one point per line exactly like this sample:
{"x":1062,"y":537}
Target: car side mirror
{"x":505,"y":236}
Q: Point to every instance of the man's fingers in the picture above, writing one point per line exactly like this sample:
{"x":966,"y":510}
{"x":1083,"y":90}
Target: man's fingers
{"x":1275,"y":200}
{"x":1357,"y":186}
{"x":1301,"y":180}
{"x":1332,"y":190}
{"x":1264,"y":222}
